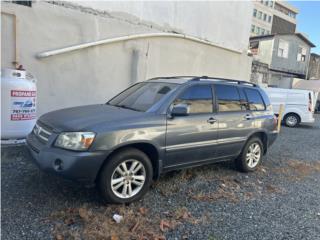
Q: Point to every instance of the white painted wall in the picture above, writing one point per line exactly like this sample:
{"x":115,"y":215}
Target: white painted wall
{"x":94,"y":75}
{"x":226,"y":23}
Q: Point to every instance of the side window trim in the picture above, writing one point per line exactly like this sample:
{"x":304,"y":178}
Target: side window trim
{"x":215,"y":106}
{"x":188,"y":87}
{"x":246,"y":103}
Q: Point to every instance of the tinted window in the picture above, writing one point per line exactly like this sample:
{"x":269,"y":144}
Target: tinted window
{"x":198,"y":98}
{"x":142,"y":96}
{"x":255,"y":100}
{"x":228,"y":98}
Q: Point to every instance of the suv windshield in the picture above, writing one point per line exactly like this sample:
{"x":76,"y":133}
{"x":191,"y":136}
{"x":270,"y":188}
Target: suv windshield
{"x":142,"y":96}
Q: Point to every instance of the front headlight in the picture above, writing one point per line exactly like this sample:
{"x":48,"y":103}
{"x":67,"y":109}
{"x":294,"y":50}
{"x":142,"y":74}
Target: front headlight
{"x":78,"y":141}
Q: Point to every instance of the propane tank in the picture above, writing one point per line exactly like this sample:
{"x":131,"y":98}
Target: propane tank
{"x":18,"y":104}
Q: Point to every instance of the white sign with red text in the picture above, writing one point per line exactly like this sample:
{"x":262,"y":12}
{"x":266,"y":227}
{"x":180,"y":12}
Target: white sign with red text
{"x":23,"y":105}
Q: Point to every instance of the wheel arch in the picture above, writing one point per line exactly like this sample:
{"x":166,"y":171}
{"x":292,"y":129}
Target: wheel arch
{"x":148,"y":148}
{"x":292,"y":113}
{"x":263,"y":137}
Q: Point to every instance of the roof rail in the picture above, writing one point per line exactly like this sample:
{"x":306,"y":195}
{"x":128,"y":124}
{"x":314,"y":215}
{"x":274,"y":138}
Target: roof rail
{"x":198,"y":78}
{"x":173,"y":77}
{"x":224,"y":79}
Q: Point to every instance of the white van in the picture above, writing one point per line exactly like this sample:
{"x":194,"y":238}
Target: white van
{"x":298,"y":104}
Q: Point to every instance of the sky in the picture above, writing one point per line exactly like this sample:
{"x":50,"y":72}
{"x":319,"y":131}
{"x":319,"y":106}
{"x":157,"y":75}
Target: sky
{"x":308,"y":21}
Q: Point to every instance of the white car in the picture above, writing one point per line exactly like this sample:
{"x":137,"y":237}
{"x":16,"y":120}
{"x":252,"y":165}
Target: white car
{"x":298,"y":105}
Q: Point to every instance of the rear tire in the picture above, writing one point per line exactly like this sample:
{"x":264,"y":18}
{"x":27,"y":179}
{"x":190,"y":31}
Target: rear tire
{"x":126,"y":176}
{"x":251,"y":155}
{"x":291,"y":120}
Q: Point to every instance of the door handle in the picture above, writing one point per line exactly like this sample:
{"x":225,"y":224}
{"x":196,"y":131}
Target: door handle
{"x":211,"y":120}
{"x":248,"y":117}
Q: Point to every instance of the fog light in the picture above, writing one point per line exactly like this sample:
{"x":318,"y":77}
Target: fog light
{"x":58,"y":165}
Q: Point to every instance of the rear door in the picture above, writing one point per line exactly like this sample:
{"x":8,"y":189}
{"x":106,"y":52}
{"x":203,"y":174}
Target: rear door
{"x":235,"y":121}
{"x":257,"y":106}
{"x":192,"y":139}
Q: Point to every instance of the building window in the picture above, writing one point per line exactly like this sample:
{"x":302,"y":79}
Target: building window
{"x":264,"y":17}
{"x":291,"y":14}
{"x":252,"y":28}
{"x":262,"y":31}
{"x":254,"y":47}
{"x":255,"y":12}
{"x":24,"y":3}
{"x":257,"y":30}
{"x":259,"y":15}
{"x":267,"y":32}
{"x":266,"y":2}
{"x":271,"y":4}
{"x":269,"y":19}
{"x":283,"y":49}
{"x":302,"y":52}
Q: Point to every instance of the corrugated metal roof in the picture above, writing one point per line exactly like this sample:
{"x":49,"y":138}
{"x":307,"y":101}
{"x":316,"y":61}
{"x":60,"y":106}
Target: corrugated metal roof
{"x":301,"y":36}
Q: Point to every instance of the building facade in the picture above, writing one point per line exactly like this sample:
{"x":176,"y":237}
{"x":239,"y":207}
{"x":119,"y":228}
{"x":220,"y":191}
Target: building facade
{"x":94,"y":74}
{"x":272,"y":17}
{"x":314,"y":67}
{"x":287,"y":57}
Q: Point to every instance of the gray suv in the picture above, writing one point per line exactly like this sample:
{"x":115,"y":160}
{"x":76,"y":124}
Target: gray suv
{"x":153,"y":127}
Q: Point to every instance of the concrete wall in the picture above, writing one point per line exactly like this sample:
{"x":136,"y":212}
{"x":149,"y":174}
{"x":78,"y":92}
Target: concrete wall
{"x":94,"y":75}
{"x":216,"y":21}
{"x":260,"y":73}
{"x":290,"y":64}
{"x":314,"y":67}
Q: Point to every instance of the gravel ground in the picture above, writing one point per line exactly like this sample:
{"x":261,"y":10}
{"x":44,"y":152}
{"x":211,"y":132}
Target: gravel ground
{"x":279,"y":201}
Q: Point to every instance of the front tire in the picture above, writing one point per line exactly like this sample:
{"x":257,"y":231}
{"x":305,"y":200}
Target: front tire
{"x":251,"y":155}
{"x":126,"y":176}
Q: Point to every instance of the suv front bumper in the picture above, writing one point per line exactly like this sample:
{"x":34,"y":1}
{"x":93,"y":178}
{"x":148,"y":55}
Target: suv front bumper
{"x":80,"y":166}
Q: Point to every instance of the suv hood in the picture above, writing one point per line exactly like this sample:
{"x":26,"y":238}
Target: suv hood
{"x":85,"y":117}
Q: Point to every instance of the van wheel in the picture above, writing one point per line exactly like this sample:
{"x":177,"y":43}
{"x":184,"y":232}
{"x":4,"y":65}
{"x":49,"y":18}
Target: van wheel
{"x":291,"y":120}
{"x":126,"y":176}
{"x":251,"y":155}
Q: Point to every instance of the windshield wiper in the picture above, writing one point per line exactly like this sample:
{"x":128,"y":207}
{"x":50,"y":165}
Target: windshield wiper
{"x":126,"y":107}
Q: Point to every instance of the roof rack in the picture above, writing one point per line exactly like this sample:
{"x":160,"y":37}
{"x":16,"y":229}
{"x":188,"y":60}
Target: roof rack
{"x":198,"y":78}
{"x":173,"y":77}
{"x":224,"y":79}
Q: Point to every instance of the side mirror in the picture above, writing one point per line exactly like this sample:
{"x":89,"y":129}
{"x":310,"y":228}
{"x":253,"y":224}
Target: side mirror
{"x":180,"y":110}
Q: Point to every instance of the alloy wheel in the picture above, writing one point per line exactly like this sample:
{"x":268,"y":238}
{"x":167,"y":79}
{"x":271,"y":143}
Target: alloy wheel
{"x":253,"y":155}
{"x":128,"y":178}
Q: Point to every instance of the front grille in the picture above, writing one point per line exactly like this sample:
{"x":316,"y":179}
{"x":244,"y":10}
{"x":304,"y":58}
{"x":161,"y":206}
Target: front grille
{"x":41,"y":132}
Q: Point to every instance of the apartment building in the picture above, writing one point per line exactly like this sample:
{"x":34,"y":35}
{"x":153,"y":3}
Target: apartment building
{"x":280,"y":58}
{"x":272,"y":17}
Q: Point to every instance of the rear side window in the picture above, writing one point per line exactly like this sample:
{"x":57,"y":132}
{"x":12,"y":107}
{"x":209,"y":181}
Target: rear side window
{"x":198,"y":98}
{"x":228,"y":98}
{"x":255,"y":100}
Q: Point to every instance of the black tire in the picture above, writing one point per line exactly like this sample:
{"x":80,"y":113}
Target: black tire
{"x":104,"y":180}
{"x":241,"y":161}
{"x":291,"y":120}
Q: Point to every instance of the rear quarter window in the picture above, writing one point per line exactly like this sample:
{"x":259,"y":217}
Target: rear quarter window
{"x":255,"y":100}
{"x":228,"y":98}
